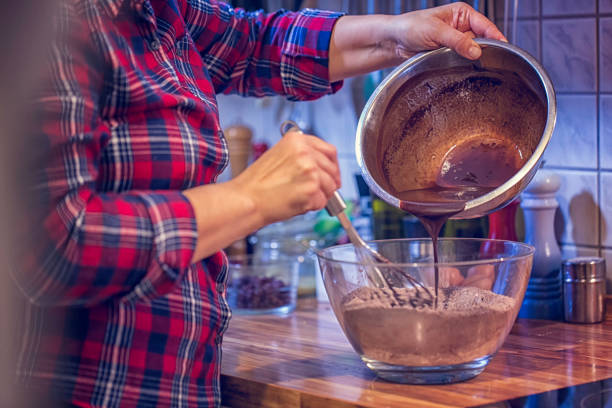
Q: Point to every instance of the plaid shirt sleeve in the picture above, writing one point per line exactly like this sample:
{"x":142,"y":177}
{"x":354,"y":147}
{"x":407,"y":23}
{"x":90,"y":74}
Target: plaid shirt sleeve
{"x":94,"y":245}
{"x":259,"y":54}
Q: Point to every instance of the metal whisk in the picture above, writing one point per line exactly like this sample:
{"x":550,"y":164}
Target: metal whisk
{"x":367,"y":255}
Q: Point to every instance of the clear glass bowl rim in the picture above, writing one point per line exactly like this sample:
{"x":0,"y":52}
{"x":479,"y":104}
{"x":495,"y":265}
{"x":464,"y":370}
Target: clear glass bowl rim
{"x":527,"y":251}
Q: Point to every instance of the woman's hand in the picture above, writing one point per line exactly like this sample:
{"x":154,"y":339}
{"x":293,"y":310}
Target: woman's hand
{"x":296,"y":175}
{"x":361,"y":44}
{"x":453,"y":25}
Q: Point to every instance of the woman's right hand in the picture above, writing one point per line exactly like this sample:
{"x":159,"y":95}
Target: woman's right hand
{"x":296,"y":175}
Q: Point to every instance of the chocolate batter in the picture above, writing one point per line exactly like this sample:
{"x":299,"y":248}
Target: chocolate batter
{"x":468,"y":324}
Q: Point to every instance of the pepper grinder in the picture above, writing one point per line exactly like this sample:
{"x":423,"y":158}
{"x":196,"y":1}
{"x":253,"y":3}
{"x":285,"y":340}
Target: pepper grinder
{"x":544,"y":295}
{"x":239,"y":146}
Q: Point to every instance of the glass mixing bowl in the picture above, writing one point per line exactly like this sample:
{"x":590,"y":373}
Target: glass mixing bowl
{"x":481,"y":286}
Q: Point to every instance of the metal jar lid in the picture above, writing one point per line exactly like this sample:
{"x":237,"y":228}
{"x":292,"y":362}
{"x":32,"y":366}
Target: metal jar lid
{"x":584,"y":269}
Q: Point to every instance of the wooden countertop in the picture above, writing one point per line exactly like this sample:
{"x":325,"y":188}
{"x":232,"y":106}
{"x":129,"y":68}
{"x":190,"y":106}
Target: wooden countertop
{"x":303,"y":360}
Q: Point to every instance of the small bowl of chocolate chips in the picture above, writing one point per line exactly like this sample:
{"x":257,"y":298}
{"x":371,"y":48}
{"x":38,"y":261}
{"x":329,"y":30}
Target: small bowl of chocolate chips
{"x":259,"y":286}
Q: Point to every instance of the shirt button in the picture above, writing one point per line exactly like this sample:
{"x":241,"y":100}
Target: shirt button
{"x":154,"y":45}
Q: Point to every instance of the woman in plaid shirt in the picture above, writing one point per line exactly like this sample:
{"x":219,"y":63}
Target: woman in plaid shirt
{"x":125,"y":280}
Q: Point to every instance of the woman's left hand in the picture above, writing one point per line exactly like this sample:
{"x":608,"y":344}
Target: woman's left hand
{"x":361,"y":44}
{"x":453,"y":25}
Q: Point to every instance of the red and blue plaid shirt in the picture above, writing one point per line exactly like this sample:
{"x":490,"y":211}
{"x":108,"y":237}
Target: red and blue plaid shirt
{"x":117,"y":314}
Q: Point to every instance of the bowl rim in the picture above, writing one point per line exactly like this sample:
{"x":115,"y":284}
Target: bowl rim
{"x":530,"y":250}
{"x":480,"y":205}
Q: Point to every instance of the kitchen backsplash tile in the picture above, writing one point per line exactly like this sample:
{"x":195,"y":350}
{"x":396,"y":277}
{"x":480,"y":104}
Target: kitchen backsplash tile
{"x":579,"y":210}
{"x":605,"y":183}
{"x":528,"y":8}
{"x":605,"y":54}
{"x":605,"y":131}
{"x":605,"y":6}
{"x":607,"y":255}
{"x":565,"y":7}
{"x":574,"y":141}
{"x":528,"y":37}
{"x":582,"y":75}
{"x":569,"y":49}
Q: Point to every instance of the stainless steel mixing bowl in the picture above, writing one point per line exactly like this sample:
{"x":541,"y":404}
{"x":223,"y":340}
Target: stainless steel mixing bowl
{"x":423,"y":108}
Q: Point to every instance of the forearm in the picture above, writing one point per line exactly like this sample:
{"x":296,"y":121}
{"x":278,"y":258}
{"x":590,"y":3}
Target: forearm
{"x":224,"y":214}
{"x":361,"y":44}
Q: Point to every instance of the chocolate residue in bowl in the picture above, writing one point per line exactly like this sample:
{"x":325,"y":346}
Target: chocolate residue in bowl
{"x":437,"y":111}
{"x":469,"y":323}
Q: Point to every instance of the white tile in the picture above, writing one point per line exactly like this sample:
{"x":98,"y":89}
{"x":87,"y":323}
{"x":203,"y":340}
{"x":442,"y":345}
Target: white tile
{"x":572,"y":251}
{"x":605,"y":183}
{"x":528,"y":8}
{"x":607,"y":255}
{"x":528,"y":37}
{"x":605,"y":54}
{"x":565,"y":7}
{"x":605,"y":131}
{"x":605,"y":6}
{"x":574,"y":141}
{"x":577,"y":222}
{"x":569,"y":53}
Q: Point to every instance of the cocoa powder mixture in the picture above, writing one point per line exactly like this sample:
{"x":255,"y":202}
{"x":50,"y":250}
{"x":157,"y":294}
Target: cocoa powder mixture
{"x":467,"y":324}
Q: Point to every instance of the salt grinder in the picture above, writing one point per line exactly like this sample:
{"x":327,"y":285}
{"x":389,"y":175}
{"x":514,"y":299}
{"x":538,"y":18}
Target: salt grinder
{"x":584,"y":289}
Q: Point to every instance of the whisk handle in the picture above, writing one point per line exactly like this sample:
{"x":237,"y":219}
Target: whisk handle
{"x":335,"y":205}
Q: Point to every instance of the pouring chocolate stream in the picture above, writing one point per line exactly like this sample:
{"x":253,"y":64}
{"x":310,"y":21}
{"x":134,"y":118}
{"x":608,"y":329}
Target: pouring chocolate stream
{"x":468,"y":171}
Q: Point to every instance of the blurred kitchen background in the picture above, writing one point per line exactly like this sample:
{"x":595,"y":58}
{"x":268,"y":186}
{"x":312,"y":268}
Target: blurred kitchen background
{"x":573,"y":41}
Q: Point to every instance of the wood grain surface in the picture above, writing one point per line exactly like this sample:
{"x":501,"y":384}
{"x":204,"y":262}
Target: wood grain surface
{"x":303,"y":360}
